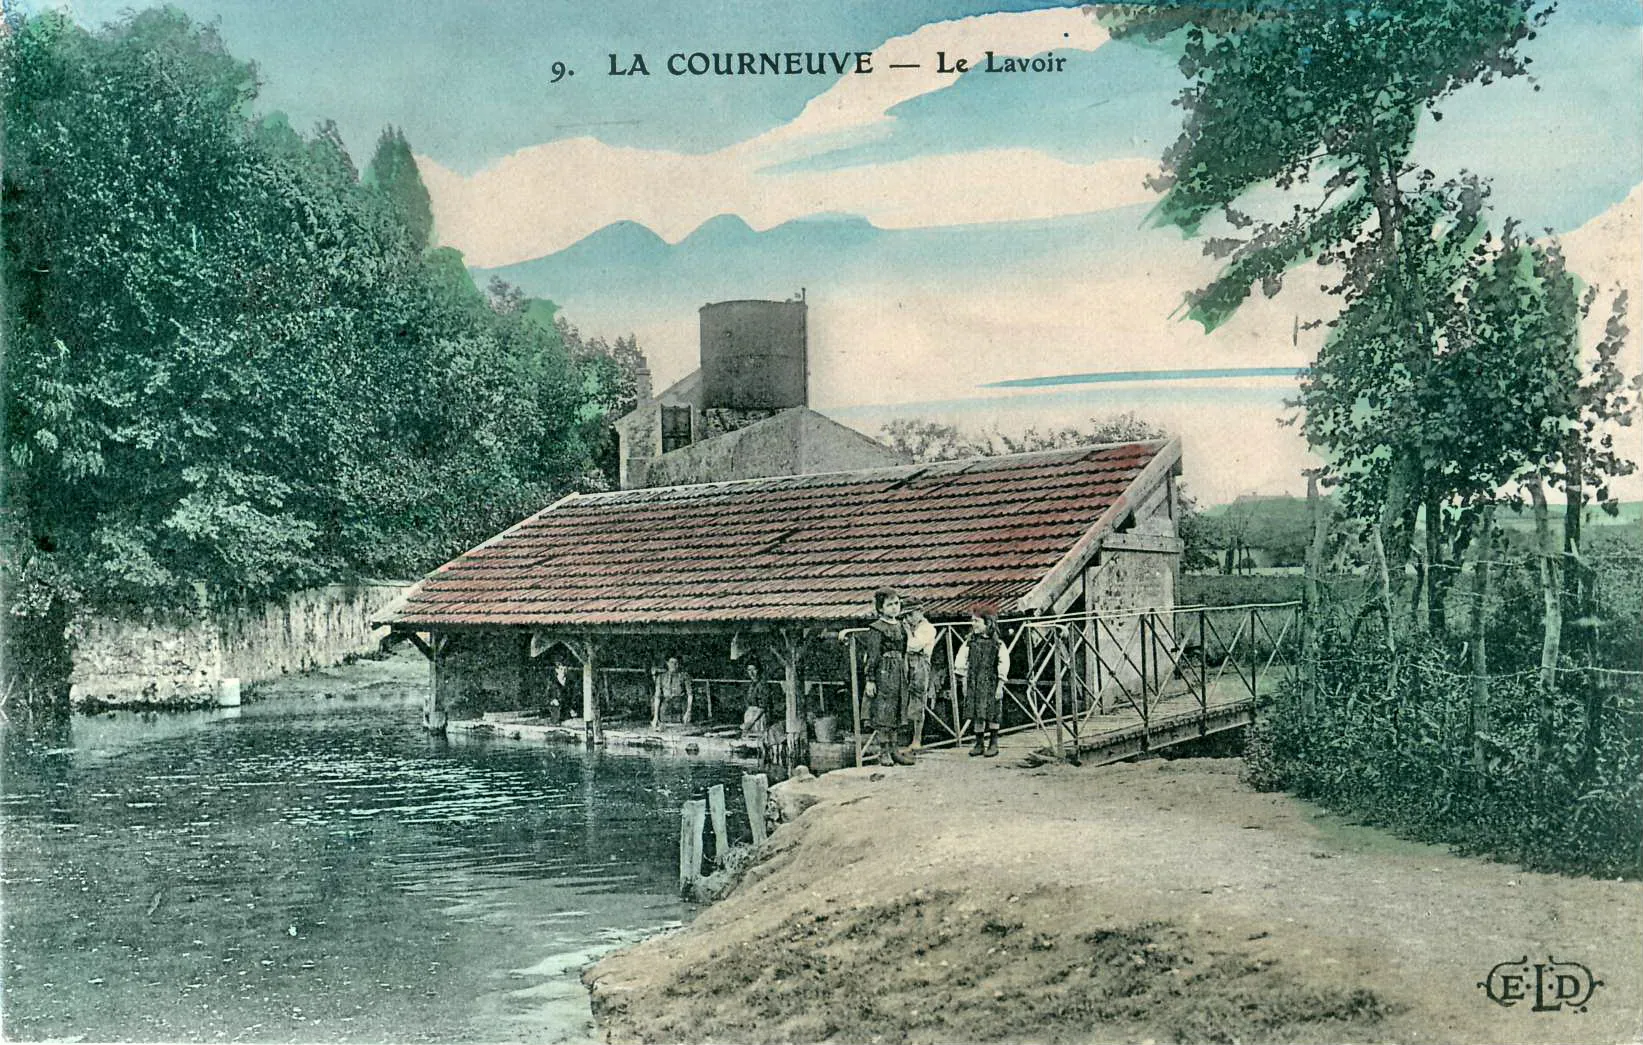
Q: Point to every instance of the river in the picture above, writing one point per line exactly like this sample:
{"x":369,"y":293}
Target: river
{"x":313,"y":867}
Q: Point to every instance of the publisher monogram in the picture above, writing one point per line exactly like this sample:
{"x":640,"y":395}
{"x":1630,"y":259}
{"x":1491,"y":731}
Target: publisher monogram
{"x":1552,"y":986}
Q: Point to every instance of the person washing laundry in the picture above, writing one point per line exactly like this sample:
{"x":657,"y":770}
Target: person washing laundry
{"x":759,"y":702}
{"x":672,"y":685}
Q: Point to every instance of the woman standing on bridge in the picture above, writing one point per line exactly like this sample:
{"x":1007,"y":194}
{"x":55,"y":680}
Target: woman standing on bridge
{"x":982,"y":665}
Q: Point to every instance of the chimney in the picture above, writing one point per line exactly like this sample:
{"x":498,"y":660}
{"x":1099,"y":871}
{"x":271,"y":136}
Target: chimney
{"x":641,"y":383}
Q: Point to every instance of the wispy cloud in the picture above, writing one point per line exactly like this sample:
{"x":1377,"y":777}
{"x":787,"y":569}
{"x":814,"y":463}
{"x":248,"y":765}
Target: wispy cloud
{"x":542,"y":199}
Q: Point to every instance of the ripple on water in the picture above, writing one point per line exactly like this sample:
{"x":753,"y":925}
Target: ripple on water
{"x":321,"y":870}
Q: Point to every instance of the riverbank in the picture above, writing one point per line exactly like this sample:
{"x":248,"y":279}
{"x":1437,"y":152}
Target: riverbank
{"x":965,"y":900}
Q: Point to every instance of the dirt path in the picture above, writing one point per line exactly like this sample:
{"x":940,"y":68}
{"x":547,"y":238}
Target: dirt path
{"x":968,"y":900}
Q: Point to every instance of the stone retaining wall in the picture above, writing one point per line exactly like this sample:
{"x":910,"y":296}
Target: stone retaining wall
{"x":158,"y":662}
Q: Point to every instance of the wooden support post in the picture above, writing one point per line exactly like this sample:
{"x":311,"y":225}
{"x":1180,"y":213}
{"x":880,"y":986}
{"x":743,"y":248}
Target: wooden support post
{"x":1255,"y":653}
{"x":433,"y":709}
{"x":416,"y":640}
{"x":587,"y":651}
{"x":1141,"y":640}
{"x":589,"y":697}
{"x":721,"y":830}
{"x":692,"y":816}
{"x":790,"y":650}
{"x":755,"y":789}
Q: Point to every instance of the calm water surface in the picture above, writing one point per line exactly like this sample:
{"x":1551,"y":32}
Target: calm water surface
{"x":312,"y":867}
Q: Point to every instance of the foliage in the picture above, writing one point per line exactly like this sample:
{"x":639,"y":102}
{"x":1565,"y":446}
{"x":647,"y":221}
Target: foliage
{"x":1282,"y":526}
{"x":1452,"y":367}
{"x":1403,"y":758}
{"x":926,"y":440}
{"x":1451,"y":371}
{"x":230,"y":361}
{"x":1212,"y":589}
{"x":1310,"y":90}
{"x":393,"y":175}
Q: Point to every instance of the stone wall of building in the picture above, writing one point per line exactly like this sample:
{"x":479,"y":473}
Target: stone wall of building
{"x":794,"y":442}
{"x":160,"y":662}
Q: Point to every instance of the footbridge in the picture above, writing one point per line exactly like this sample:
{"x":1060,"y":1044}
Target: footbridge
{"x":1098,"y":688}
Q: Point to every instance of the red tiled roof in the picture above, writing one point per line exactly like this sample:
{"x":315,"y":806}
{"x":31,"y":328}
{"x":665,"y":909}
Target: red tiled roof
{"x":791,"y":548}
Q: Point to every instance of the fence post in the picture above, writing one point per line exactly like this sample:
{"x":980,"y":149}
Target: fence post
{"x":755,"y":786}
{"x":855,"y":702}
{"x":691,"y":817}
{"x":1254,"y":657}
{"x":1203,"y":674}
{"x":1146,"y":705}
{"x":721,"y":830}
{"x":1056,"y":666}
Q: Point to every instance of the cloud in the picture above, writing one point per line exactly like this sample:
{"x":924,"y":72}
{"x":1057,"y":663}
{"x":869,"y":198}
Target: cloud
{"x":1608,"y":250}
{"x":862,"y":103}
{"x":1607,"y":254}
{"x":542,"y":199}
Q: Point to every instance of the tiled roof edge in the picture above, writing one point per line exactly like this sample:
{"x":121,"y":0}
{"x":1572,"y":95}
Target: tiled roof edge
{"x":1052,"y":583}
{"x":894,"y":471}
{"x":389,"y":614}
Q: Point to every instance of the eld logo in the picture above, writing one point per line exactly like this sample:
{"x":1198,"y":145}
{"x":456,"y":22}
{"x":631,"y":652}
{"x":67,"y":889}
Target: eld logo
{"x":1551,"y":985}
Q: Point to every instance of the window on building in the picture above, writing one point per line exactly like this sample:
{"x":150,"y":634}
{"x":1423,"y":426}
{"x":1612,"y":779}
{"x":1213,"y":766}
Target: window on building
{"x":675,"y":427}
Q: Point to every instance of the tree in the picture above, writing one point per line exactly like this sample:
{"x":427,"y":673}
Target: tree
{"x":230,"y":364}
{"x":1409,"y":400}
{"x":926,"y":440}
{"x":393,"y":176}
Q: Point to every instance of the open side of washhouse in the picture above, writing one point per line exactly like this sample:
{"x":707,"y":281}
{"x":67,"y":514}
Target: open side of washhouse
{"x":1077,"y":551}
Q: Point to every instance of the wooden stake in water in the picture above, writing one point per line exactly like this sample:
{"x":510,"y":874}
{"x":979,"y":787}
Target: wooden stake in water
{"x":692,"y":816}
{"x":755,"y":787}
{"x":721,"y":831}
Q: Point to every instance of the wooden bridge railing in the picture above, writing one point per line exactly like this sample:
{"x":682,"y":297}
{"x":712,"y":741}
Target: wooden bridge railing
{"x":1074,"y":675}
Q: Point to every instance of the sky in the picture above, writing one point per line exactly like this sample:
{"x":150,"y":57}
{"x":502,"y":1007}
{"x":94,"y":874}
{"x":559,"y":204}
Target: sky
{"x":950,"y":232}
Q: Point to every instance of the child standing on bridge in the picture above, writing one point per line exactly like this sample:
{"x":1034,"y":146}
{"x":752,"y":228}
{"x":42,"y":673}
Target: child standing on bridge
{"x":982,"y":665}
{"x":883,"y":653}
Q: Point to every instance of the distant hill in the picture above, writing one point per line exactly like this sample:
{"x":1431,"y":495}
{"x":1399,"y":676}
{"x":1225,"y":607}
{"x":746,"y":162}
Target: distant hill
{"x":726,"y":258}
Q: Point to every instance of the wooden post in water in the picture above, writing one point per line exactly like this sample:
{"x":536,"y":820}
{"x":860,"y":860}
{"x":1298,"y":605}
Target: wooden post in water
{"x":692,"y":816}
{"x":587,"y":651}
{"x":790,"y":650}
{"x":433,"y":709}
{"x":721,"y":831}
{"x":755,"y":787}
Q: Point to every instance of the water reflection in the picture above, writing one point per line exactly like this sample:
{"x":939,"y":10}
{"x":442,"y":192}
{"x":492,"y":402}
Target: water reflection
{"x":314,"y":867}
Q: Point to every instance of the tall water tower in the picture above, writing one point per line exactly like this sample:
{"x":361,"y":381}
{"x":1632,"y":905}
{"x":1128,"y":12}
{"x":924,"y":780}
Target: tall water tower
{"x":755,"y":355}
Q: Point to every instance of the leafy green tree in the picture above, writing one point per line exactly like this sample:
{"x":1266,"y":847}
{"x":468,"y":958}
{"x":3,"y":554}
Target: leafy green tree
{"x":393,"y":175}
{"x":229,"y":364}
{"x":1453,"y":363}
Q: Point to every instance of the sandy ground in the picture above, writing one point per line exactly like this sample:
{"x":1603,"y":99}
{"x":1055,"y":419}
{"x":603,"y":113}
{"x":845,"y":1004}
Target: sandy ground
{"x":972,"y":900}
